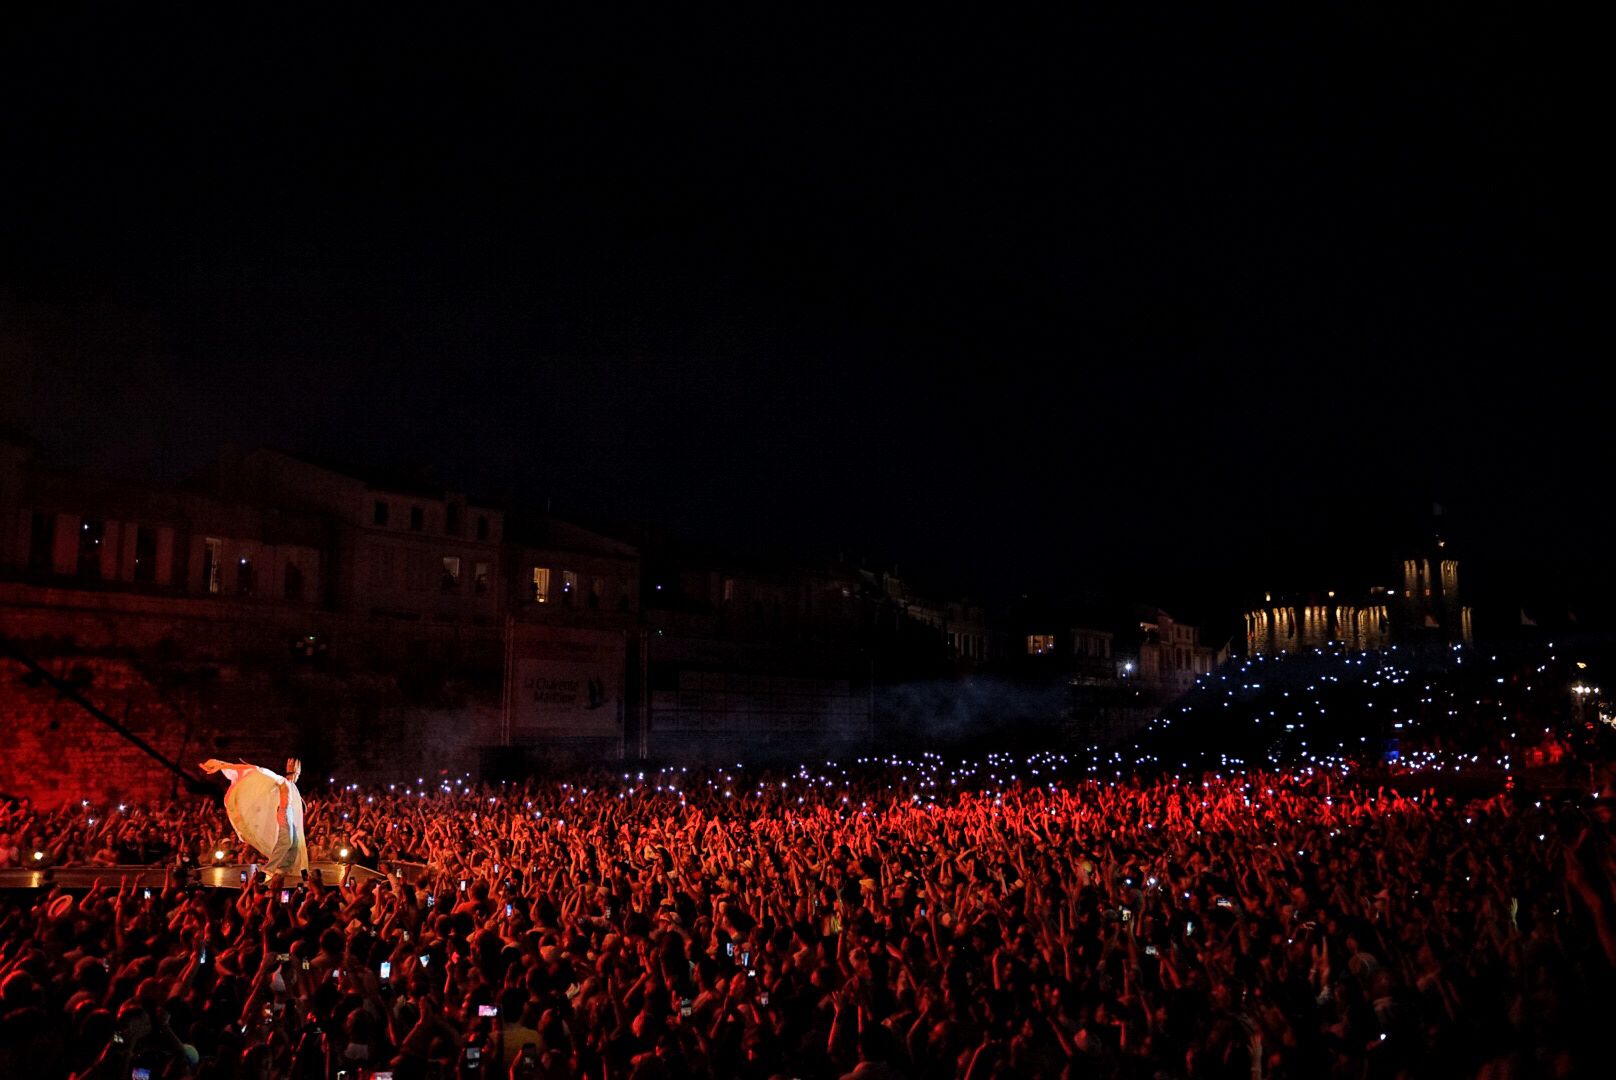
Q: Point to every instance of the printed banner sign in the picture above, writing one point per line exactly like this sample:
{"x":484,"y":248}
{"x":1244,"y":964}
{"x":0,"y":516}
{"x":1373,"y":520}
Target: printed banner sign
{"x":567,"y":685}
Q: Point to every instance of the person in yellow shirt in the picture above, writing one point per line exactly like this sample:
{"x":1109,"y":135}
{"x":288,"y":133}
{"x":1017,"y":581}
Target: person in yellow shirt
{"x":520,"y":1019}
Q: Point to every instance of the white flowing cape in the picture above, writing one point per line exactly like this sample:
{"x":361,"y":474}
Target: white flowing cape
{"x":266,"y":810}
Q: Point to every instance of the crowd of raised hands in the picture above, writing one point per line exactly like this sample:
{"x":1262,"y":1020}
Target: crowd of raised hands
{"x":896,"y":918}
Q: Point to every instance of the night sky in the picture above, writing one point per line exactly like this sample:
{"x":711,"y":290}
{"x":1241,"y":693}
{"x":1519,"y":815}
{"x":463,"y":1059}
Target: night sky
{"x":1170,"y":304}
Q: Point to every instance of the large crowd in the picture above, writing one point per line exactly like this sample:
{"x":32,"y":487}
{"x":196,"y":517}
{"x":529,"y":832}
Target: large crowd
{"x":881,"y":919}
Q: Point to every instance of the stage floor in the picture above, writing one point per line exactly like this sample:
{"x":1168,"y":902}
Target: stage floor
{"x":77,"y":878}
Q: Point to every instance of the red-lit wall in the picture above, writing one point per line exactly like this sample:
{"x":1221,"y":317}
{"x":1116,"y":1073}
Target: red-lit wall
{"x":55,"y":752}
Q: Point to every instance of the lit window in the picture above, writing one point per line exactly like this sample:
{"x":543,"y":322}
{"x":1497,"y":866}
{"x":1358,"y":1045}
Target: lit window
{"x":541,"y":584}
{"x":479,"y":577}
{"x":451,"y":573}
{"x":212,"y":556}
{"x":569,"y":586}
{"x":1039,"y":644}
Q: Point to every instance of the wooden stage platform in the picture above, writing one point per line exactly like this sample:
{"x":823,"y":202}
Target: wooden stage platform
{"x":213,"y":876}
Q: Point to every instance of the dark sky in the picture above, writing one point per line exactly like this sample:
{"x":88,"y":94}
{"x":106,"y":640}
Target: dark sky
{"x":1170,"y":302}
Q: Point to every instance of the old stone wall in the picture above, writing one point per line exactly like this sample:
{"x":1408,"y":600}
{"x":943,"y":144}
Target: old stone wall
{"x":55,"y":751}
{"x":197,"y":681}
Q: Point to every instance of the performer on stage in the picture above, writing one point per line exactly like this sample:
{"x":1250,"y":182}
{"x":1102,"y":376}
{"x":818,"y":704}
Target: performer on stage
{"x":266,"y":811}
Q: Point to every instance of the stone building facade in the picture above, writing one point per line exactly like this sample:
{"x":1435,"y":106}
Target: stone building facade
{"x":1426,"y":606}
{"x":373,"y":621}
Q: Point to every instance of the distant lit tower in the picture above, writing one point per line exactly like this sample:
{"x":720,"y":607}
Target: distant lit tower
{"x":1428,"y":607}
{"x":1432,"y":607}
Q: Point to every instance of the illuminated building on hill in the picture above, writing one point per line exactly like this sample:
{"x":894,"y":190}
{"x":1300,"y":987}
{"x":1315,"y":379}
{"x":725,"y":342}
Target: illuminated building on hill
{"x":1427,"y":606}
